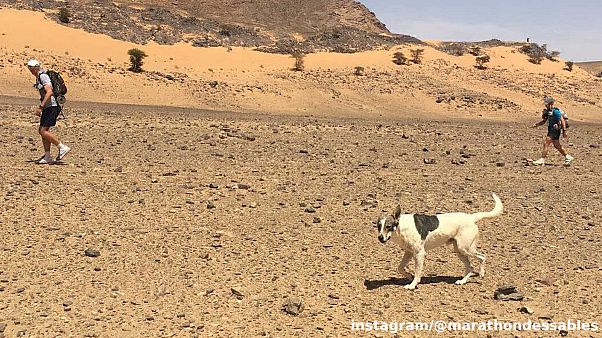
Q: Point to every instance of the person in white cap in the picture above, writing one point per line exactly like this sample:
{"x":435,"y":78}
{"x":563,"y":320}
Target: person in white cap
{"x":48,"y":111}
{"x":556,"y":125}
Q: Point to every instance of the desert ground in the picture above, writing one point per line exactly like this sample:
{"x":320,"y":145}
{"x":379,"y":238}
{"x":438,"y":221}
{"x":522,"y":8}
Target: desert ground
{"x":207,"y":223}
{"x":206,"y":193}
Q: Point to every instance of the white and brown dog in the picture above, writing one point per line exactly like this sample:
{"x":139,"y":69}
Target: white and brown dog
{"x":417,"y":234}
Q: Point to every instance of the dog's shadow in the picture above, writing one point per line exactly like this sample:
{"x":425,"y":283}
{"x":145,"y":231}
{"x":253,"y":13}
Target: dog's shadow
{"x":377,"y":283}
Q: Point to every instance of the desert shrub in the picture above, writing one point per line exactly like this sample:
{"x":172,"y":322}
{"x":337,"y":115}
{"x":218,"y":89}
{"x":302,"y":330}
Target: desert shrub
{"x":569,"y":66}
{"x":299,"y":57}
{"x":136,"y":57}
{"x":454,"y":49}
{"x":399,"y":58}
{"x":417,"y":55}
{"x":553,"y":55}
{"x":474,"y":50}
{"x":538,"y":53}
{"x":359,"y":71}
{"x":64,"y":15}
{"x":481,"y":60}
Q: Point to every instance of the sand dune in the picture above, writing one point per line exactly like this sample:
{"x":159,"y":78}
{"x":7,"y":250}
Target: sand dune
{"x":244,"y":80}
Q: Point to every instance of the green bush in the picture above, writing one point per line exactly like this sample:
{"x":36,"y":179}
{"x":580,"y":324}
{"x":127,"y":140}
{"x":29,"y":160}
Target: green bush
{"x":481,"y":60}
{"x":417,"y":55}
{"x":399,"y":58}
{"x":136,"y":57}
{"x":299,"y":57}
{"x":64,"y":15}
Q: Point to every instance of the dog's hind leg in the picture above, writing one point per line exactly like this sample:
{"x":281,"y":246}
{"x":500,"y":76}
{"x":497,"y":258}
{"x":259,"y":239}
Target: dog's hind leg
{"x":480,"y":256}
{"x":419,"y":261}
{"x":463,"y":254}
{"x":404,"y":263}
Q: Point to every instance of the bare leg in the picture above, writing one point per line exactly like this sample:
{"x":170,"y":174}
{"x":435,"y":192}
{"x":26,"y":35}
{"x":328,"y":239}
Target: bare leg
{"x":546,"y":145}
{"x":45,"y":142}
{"x":48,"y":138}
{"x":558,"y":147}
{"x":419,"y":261}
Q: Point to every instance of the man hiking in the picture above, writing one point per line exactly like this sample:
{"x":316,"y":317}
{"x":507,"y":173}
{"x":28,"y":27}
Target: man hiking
{"x":556,"y":125}
{"x":48,"y":111}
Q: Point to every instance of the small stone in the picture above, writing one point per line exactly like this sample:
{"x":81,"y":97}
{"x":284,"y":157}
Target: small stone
{"x":2,"y":327}
{"x":210,"y":205}
{"x":92,"y":252}
{"x":238,"y":292}
{"x":563,"y":333}
{"x":526,"y":309}
{"x":430,"y":161}
{"x":500,"y":164}
{"x":508,"y":292}
{"x":548,"y":281}
{"x":213,"y":186}
{"x":20,"y":290}
{"x":244,"y":186}
{"x":310,"y":210}
{"x":293,"y":306}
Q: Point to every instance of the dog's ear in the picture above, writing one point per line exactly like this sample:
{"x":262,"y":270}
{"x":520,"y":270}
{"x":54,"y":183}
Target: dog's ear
{"x":397,"y":212}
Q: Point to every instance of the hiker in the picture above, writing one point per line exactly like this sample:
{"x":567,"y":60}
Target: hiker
{"x":48,"y":111}
{"x":556,"y":125}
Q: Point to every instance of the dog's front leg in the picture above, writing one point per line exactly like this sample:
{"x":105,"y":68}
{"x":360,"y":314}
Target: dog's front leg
{"x":419,"y":261}
{"x":404,"y":263}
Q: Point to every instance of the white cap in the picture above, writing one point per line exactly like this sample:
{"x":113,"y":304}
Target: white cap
{"x":33,"y":63}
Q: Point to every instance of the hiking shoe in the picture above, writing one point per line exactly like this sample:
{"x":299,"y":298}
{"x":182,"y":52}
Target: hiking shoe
{"x":62,"y":153}
{"x":541,"y":161}
{"x":45,"y":160}
{"x":568,"y":159}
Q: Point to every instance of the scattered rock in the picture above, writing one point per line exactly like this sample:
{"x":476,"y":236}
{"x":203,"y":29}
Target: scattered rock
{"x":2,"y":327}
{"x":310,"y":210}
{"x":500,"y":164}
{"x":293,"y":306}
{"x":526,"y":309}
{"x":238,"y":292}
{"x":430,"y":161}
{"x":508,"y":292}
{"x":210,"y":205}
{"x":92,"y":252}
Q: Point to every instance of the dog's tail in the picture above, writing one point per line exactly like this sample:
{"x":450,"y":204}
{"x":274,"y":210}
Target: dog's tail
{"x":497,"y":210}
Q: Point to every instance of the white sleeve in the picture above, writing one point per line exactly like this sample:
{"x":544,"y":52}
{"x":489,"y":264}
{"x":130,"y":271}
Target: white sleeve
{"x":45,"y":79}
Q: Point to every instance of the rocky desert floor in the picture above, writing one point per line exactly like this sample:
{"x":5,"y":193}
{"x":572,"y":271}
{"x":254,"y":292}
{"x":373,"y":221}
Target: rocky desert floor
{"x":181,"y":223}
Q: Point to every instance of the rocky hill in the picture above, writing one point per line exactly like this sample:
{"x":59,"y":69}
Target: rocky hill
{"x":593,"y":67}
{"x":273,"y":26}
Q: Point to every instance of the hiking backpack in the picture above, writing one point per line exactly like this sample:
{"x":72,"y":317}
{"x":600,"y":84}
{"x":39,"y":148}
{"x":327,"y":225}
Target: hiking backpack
{"x":547,"y":113}
{"x":59,"y":88}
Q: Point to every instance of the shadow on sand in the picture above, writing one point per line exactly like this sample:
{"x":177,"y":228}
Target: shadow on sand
{"x":375,"y":284}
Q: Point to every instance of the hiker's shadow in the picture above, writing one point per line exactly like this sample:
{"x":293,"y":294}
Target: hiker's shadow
{"x":377,"y":283}
{"x":53,"y":163}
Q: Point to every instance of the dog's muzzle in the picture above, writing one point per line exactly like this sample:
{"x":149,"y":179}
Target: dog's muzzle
{"x":382,"y":239}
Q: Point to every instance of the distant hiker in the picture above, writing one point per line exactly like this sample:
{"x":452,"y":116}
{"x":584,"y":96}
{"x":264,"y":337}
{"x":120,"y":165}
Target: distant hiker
{"x":48,"y":111}
{"x":556,"y":125}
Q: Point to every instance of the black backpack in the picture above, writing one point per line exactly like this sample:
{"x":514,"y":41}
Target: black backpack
{"x":59,"y":88}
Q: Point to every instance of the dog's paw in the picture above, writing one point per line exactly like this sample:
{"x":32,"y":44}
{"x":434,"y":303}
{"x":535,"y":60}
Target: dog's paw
{"x":409,"y":287}
{"x":461,"y":282}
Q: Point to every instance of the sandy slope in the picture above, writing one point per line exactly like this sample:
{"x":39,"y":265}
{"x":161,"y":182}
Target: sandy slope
{"x":244,"y":80}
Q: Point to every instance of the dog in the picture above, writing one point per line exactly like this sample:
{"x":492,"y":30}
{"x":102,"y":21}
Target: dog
{"x":418,"y":233}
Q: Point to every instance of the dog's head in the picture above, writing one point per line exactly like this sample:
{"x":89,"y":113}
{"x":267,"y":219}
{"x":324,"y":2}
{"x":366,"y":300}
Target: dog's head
{"x":386,"y":225}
